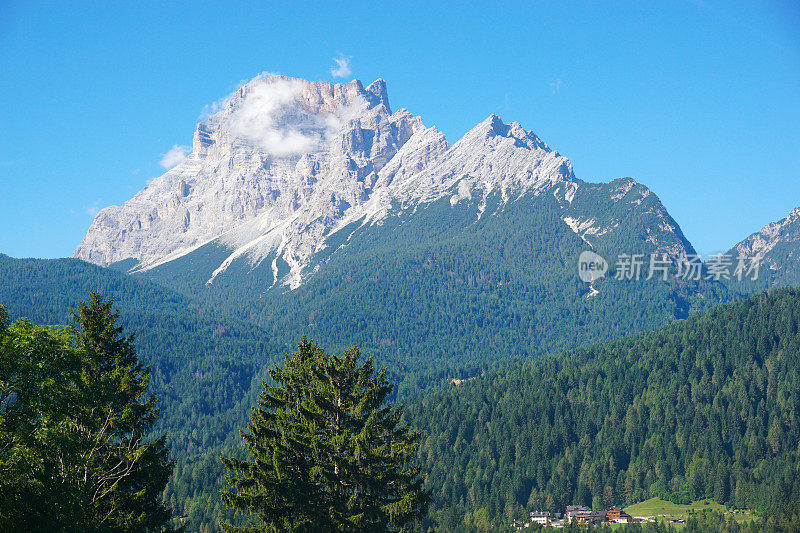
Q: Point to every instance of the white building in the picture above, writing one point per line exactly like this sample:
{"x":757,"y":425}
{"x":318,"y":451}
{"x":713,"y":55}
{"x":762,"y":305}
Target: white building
{"x":541,"y":517}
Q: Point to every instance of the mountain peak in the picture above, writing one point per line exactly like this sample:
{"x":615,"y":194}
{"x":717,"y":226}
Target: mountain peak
{"x":285,"y":163}
{"x":493,"y":126}
{"x":761,"y":243}
{"x":378,"y":88}
{"x":278,"y":152}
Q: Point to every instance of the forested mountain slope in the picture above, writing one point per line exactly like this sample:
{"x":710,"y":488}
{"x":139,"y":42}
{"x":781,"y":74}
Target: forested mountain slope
{"x":450,"y":306}
{"x":435,"y":295}
{"x":448,"y":290}
{"x":442,"y":260}
{"x":206,"y":369}
{"x":706,"y":407}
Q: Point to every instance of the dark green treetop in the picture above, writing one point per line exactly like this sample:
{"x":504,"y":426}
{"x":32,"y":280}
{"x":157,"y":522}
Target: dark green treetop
{"x":326,"y":452}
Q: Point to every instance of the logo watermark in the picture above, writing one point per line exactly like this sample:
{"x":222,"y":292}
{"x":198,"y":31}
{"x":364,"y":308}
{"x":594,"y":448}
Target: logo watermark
{"x":717,"y":267}
{"x":591,"y":266}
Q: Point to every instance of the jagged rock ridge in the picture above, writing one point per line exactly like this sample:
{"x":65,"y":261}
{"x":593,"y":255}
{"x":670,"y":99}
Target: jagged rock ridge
{"x":761,"y":243}
{"x":776,"y":247}
{"x":285,"y":162}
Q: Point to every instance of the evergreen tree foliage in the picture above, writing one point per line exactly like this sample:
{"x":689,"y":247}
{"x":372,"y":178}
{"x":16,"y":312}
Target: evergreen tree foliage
{"x":206,"y":370}
{"x":708,"y":407}
{"x":126,"y":473}
{"x":326,"y":451}
{"x":75,"y":423}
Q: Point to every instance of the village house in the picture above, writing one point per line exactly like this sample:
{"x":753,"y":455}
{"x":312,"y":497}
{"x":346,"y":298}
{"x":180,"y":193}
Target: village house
{"x":615,"y":514}
{"x":572,"y":511}
{"x":541,"y":517}
{"x":581,"y":515}
{"x":593,"y":517}
{"x":516,"y":525}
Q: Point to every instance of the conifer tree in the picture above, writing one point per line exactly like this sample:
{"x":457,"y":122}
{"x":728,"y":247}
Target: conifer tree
{"x":119,"y":470}
{"x":75,"y":451}
{"x":326,"y":451}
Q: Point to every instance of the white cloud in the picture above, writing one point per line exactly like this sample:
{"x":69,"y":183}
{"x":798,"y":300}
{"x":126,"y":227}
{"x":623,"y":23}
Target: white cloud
{"x":271,"y":115}
{"x":219,"y":105}
{"x":342,"y":69}
{"x":174,"y":156}
{"x":93,"y":209}
{"x":555,"y":86}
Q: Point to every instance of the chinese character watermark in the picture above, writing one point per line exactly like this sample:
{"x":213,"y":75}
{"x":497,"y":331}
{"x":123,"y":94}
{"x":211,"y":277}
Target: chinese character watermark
{"x":718,"y":267}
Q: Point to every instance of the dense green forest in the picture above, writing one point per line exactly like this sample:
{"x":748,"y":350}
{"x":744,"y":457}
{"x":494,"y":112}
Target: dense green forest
{"x":438,"y":295}
{"x":441,"y":292}
{"x":708,"y":407}
{"x":705,"y":408}
{"x":77,"y":451}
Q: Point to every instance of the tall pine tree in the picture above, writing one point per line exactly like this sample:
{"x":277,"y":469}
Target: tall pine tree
{"x":326,"y":451}
{"x":75,"y":450}
{"x":120,"y":470}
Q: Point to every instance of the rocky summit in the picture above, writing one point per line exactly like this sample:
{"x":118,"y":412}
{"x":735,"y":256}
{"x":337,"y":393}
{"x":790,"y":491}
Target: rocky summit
{"x":775,"y":248}
{"x":283,"y":163}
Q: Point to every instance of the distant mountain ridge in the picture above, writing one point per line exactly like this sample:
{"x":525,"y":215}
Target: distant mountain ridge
{"x":286,"y":163}
{"x":777,"y":248}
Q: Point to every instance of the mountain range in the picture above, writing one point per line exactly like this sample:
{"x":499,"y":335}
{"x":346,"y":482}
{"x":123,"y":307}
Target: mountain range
{"x":311,"y":207}
{"x":285,"y":165}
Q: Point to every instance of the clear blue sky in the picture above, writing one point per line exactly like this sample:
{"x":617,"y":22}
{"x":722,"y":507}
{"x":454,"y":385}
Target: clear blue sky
{"x":698,"y":100}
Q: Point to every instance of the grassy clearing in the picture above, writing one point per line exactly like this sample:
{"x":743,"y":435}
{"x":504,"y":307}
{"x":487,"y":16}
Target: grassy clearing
{"x":662,"y":509}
